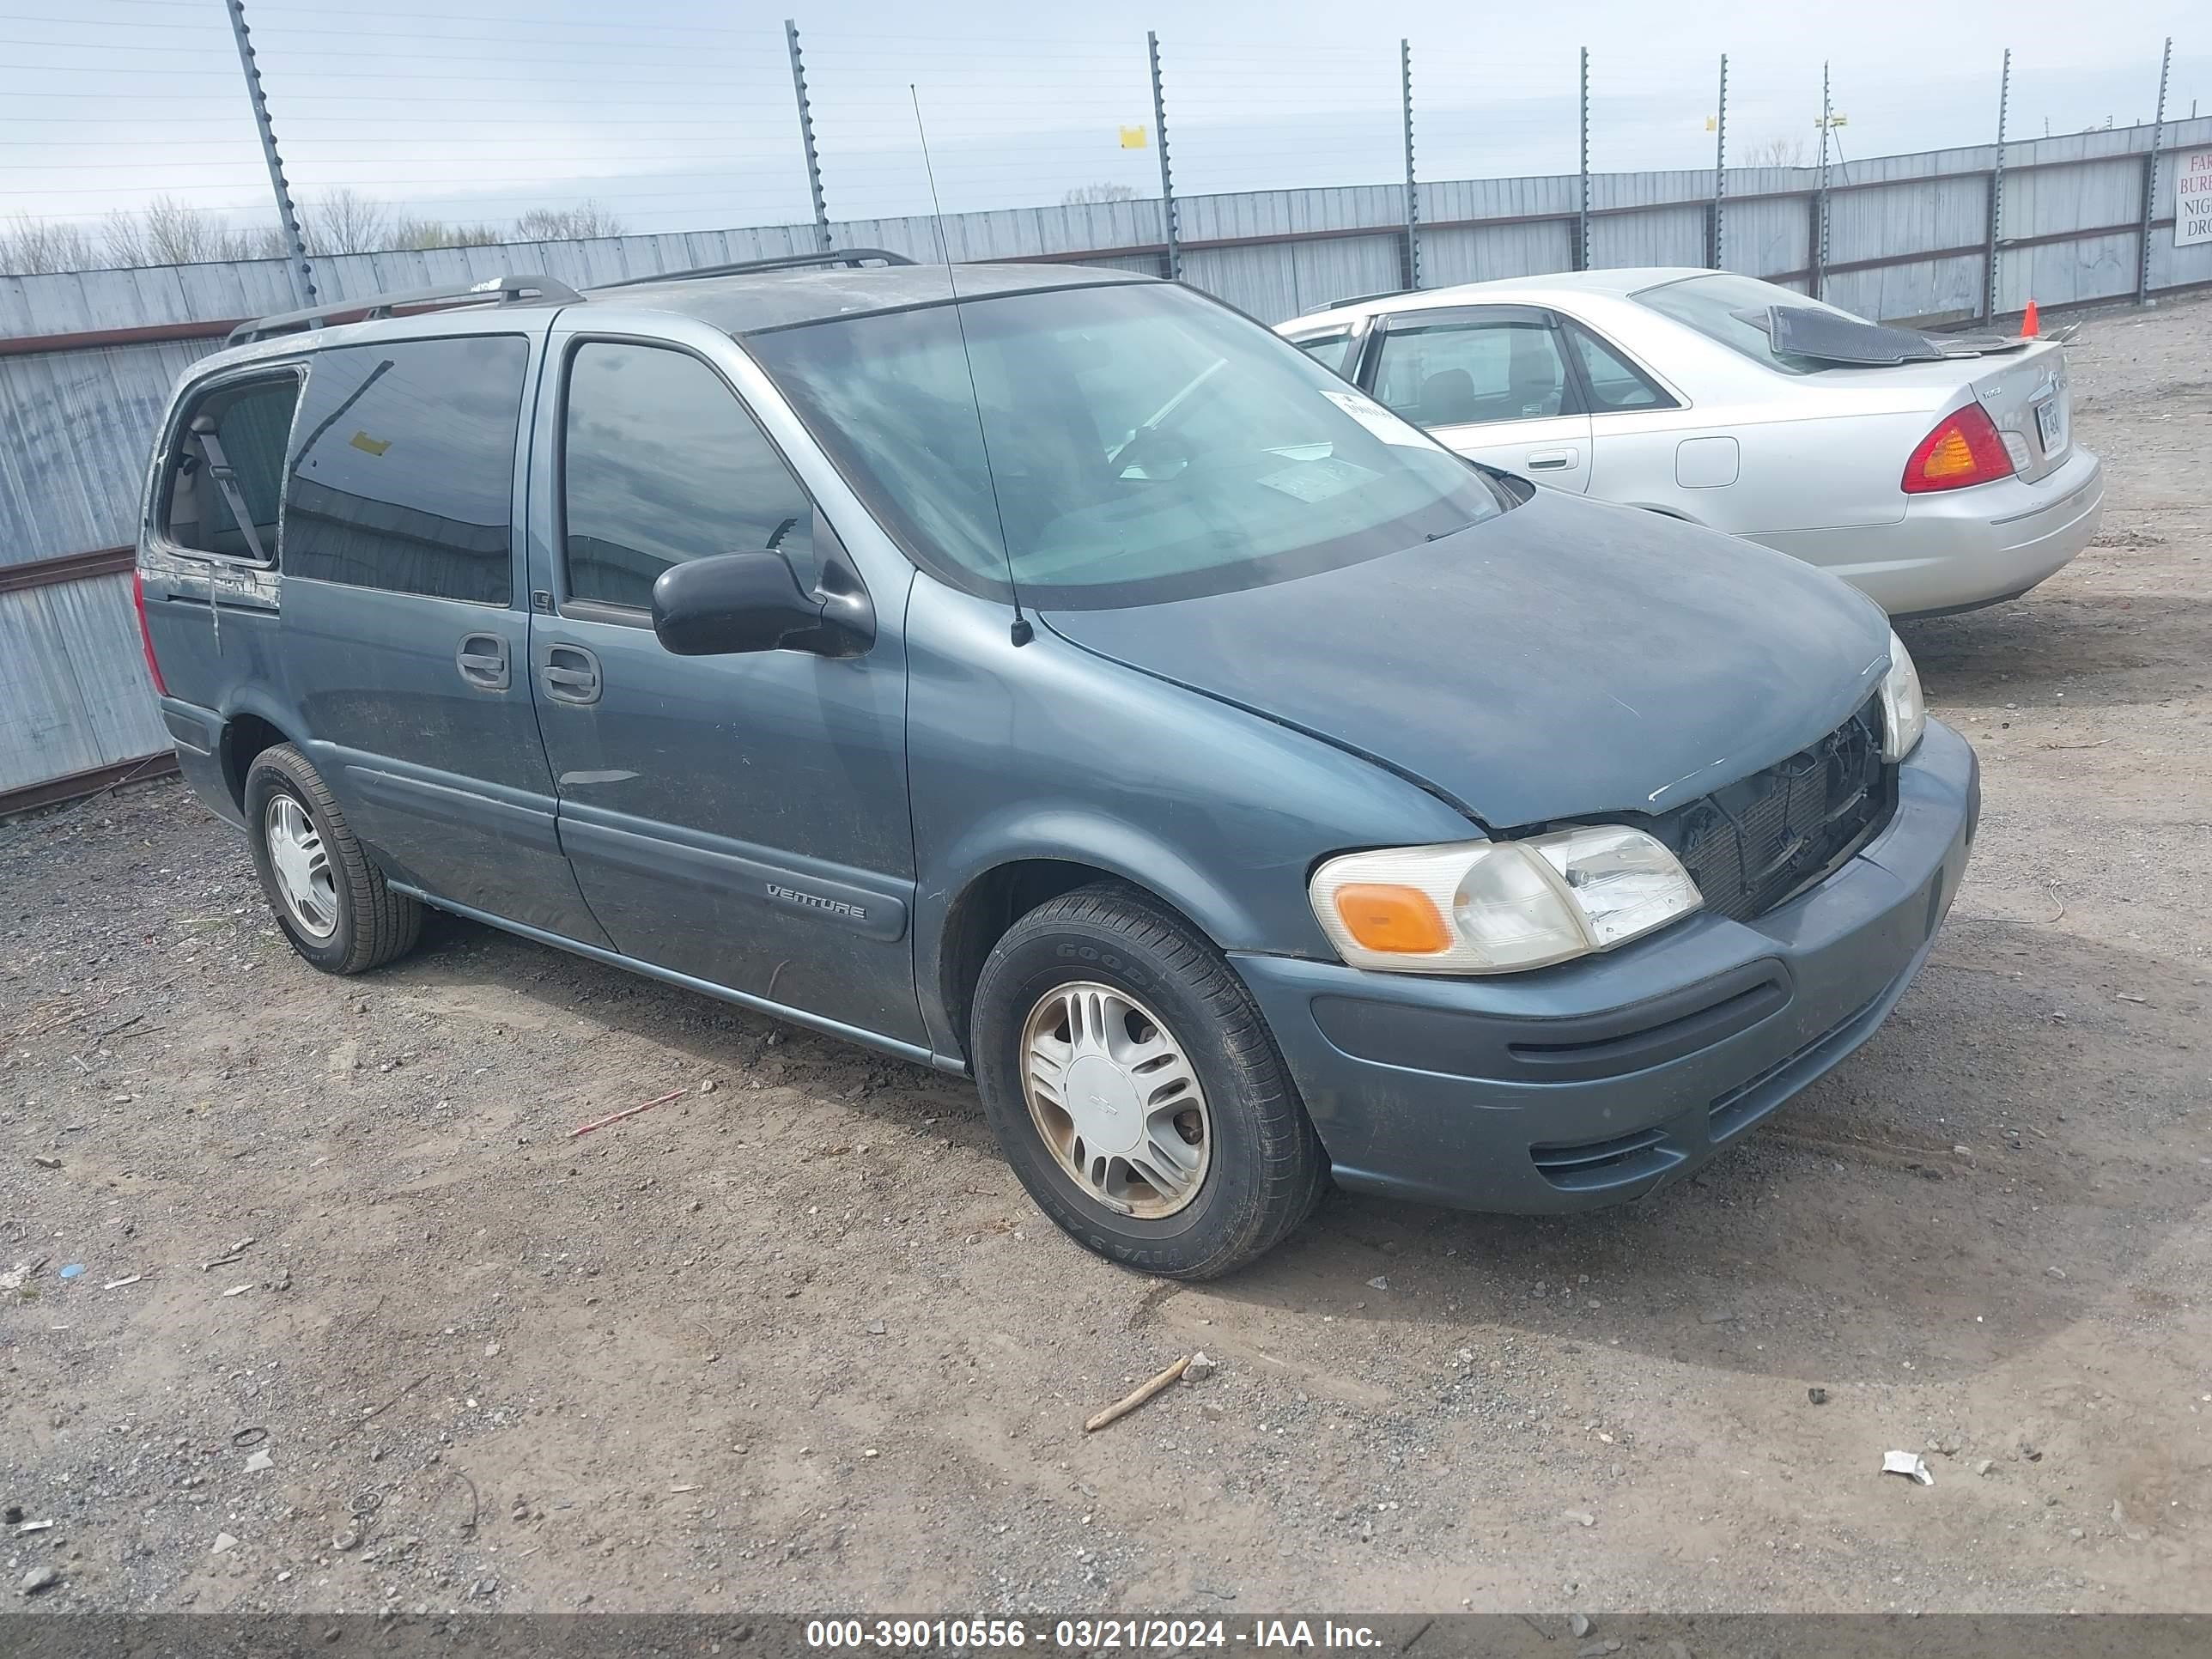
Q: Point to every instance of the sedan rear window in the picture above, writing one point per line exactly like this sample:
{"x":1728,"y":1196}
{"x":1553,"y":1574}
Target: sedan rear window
{"x":1732,"y":310}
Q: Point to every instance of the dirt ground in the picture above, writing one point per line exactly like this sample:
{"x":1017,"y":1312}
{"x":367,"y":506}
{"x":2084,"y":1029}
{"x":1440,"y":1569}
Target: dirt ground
{"x":798,"y":1341}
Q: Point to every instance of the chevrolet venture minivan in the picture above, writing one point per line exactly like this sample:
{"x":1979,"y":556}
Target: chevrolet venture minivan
{"x":1051,"y":676}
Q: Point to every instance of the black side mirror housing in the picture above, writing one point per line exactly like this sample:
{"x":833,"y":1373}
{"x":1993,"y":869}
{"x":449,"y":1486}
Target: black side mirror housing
{"x":734,"y":604}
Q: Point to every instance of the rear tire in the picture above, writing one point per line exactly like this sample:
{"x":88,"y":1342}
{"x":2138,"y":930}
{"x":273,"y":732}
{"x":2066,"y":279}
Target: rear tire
{"x":332,"y":903}
{"x":1233,"y":1161}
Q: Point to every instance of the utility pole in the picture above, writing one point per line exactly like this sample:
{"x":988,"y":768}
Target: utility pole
{"x":1582,"y":210}
{"x":1820,"y":197}
{"x":1720,"y":167}
{"x":1170,"y":231}
{"x":1413,"y":200}
{"x":2150,"y":174}
{"x":1997,"y":192}
{"x":806,"y":137}
{"x":287,"y":218}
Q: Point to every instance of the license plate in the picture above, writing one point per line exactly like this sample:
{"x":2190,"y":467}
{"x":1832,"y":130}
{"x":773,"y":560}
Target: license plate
{"x":2050,"y":425}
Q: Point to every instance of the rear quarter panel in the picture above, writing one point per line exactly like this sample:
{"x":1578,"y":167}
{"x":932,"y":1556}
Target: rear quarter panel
{"x":1812,"y":452}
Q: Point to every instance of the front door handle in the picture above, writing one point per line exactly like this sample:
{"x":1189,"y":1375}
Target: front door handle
{"x":1552,"y":460}
{"x":482,"y":660}
{"x":571,"y":674}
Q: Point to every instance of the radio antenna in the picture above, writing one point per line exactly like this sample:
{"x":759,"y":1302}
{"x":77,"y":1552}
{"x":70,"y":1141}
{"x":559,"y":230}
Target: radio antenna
{"x":1022,"y":632}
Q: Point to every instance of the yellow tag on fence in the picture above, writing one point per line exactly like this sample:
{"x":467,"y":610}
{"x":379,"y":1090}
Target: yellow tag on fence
{"x":1134,"y":137}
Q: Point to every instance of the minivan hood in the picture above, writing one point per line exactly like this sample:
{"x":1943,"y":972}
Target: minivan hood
{"x":1566,"y":659}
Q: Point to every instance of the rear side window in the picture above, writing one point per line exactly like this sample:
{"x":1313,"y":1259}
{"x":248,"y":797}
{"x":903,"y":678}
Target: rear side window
{"x":226,"y":474}
{"x":1614,"y":382}
{"x":1467,"y":371}
{"x":660,"y":464}
{"x":1332,"y":352}
{"x":403,"y":469}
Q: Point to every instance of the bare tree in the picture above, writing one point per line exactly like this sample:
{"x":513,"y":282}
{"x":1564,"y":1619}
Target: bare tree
{"x":31,"y":247}
{"x":1776,"y":152}
{"x":419,"y":234}
{"x":578,"y":223}
{"x":344,"y":221}
{"x":167,"y":232}
{"x":1083,"y":195}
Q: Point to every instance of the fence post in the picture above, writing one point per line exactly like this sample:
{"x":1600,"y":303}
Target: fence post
{"x":1582,"y":212}
{"x":1997,"y":192}
{"x":2150,"y":174}
{"x":1171,"y":232}
{"x":806,"y":137}
{"x":1413,"y":201}
{"x":303,"y":280}
{"x":1820,"y":197}
{"x":1719,"y":166}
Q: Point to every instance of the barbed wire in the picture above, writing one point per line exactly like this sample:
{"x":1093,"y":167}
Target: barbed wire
{"x":427,"y":123}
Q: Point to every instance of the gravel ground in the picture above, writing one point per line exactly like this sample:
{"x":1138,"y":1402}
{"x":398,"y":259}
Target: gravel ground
{"x":796,"y":1340}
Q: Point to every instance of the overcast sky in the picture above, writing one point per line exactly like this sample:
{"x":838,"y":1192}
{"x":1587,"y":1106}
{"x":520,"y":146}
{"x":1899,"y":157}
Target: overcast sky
{"x":678,"y":114}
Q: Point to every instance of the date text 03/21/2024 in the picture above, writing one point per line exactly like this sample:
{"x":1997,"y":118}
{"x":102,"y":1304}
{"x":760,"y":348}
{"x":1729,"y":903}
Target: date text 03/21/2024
{"x":1085,"y":1635}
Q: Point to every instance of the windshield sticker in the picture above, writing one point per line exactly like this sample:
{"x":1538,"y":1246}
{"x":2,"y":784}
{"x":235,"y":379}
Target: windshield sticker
{"x":1381,"y":422}
{"x":1316,"y":480}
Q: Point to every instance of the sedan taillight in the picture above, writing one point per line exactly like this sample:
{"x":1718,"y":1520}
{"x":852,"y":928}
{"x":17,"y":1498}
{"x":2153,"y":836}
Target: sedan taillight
{"x":1964,"y":449}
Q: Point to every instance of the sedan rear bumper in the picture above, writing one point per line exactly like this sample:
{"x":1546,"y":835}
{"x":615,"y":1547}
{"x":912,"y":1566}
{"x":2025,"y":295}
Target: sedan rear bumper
{"x":1962,"y":549}
{"x":1603,"y":1079}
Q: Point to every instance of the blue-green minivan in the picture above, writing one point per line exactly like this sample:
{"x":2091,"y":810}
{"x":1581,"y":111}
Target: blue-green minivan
{"x":1050,"y":676}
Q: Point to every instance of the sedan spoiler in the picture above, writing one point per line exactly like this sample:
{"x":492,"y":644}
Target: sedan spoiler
{"x":1828,"y":336}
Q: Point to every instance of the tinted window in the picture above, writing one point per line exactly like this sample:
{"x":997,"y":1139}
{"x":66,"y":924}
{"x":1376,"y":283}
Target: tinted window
{"x":237,"y":466}
{"x":1732,"y":310}
{"x":1458,"y":372}
{"x":1144,"y":444}
{"x":402,"y":476}
{"x":1329,"y":350}
{"x":1614,"y":382}
{"x":661,"y":463}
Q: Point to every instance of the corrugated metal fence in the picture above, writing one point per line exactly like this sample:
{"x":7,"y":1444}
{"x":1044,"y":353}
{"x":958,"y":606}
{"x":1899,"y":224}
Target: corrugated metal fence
{"x":86,"y":358}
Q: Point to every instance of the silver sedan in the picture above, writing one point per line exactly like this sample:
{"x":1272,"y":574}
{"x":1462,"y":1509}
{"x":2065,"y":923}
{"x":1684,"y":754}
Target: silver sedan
{"x":1934,"y":473}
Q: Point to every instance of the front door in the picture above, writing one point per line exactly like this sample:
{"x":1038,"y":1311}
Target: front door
{"x":1490,"y":383}
{"x":742,"y":819}
{"x":404,"y":636}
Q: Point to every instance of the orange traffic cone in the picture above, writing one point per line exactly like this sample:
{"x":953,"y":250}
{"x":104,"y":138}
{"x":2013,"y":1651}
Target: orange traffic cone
{"x":2028,"y":322}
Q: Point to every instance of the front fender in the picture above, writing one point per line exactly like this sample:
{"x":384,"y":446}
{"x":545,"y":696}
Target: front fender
{"x":1049,"y":751}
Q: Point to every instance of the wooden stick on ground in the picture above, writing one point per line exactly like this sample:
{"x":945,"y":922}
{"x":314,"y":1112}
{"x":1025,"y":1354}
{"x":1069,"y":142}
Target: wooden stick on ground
{"x":1136,"y":1397}
{"x":617,"y":1117}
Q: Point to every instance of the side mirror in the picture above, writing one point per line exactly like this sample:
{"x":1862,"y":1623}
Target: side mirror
{"x":737,"y":603}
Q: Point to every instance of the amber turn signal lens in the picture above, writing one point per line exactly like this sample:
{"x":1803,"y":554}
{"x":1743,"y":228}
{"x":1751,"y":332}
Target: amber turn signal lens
{"x":1403,"y":921}
{"x":1952,"y":458}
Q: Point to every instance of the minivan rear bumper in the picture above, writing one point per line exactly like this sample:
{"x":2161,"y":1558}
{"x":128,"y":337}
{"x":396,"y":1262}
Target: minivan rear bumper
{"x":1603,"y":1079}
{"x":198,"y":734}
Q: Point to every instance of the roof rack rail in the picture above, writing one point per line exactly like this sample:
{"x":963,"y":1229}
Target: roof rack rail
{"x":842,"y":256}
{"x":502,"y":290}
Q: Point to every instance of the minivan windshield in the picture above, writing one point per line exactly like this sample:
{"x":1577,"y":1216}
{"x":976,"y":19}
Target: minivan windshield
{"x":1145,"y":444}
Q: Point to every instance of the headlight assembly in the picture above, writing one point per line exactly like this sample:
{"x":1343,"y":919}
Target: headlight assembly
{"x":1485,"y":907}
{"x":1904,"y":710}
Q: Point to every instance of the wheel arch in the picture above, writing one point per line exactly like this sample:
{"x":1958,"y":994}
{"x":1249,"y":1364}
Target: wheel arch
{"x":999,"y":893}
{"x":248,"y":731}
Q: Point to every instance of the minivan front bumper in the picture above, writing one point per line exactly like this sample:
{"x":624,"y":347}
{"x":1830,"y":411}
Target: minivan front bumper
{"x":1602,"y":1080}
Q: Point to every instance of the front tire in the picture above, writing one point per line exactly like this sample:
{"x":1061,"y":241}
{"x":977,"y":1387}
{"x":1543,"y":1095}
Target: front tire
{"x":332,"y":903}
{"x":1135,"y":1089}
